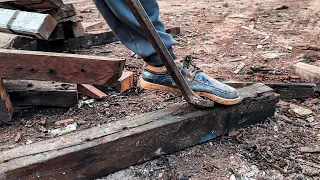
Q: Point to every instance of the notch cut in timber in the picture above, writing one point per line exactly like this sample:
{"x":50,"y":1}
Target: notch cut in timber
{"x":98,"y":151}
{"x":6,"y":108}
{"x":69,"y":68}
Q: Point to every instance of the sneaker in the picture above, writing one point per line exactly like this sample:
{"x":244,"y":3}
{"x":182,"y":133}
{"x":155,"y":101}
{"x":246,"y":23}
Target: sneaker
{"x":159,"y":79}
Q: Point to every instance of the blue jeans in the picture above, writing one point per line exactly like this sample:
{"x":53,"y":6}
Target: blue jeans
{"x":124,"y":25}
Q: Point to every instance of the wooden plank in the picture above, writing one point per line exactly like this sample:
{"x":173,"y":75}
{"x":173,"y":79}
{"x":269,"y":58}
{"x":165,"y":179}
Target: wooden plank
{"x":309,"y":73}
{"x":98,"y":151}
{"x":86,"y":41}
{"x":33,"y":4}
{"x":14,"y":41}
{"x":125,"y":82}
{"x":41,"y":93}
{"x":6,"y":108}
{"x":70,"y":68}
{"x":287,"y":91}
{"x":27,"y":23}
{"x":91,"y":91}
{"x":91,"y":26}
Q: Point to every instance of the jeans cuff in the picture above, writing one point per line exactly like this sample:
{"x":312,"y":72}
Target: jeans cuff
{"x":155,"y":60}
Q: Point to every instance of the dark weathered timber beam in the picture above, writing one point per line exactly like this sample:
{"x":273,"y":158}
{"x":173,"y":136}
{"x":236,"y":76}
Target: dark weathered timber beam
{"x":69,"y":68}
{"x":41,"y":93}
{"x":287,"y":91}
{"x":98,"y":151}
{"x":86,"y":41}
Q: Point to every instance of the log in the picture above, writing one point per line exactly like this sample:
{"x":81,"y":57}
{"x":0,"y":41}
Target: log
{"x":91,"y":91}
{"x":287,"y":91}
{"x":98,"y":151}
{"x":14,"y":41}
{"x":86,"y":41}
{"x":6,"y":108}
{"x":69,"y":68}
{"x":27,"y":23}
{"x":32,"y":4}
{"x":309,"y":73}
{"x":41,"y":93}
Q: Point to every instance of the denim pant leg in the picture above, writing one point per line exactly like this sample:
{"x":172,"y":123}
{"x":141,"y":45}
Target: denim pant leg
{"x":127,"y":29}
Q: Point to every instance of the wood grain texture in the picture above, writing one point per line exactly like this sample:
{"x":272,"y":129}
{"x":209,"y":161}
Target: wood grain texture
{"x":6,"y":108}
{"x":287,"y":91}
{"x":41,"y":93}
{"x":105,"y":149}
{"x":70,"y":68}
{"x":27,"y":23}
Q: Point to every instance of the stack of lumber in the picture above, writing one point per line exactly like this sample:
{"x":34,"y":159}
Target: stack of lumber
{"x":32,"y":78}
{"x":23,"y":23}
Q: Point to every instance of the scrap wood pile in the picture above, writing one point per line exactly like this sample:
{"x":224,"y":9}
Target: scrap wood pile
{"x":33,"y":78}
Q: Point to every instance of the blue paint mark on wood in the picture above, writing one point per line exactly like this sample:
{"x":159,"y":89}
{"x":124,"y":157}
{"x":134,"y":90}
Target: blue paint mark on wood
{"x":208,"y":137}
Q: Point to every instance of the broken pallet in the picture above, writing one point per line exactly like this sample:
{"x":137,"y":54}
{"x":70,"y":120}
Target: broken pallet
{"x":69,"y":68}
{"x":98,"y":151}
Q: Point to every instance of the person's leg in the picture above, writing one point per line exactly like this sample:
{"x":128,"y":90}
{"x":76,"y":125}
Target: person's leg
{"x":127,"y":29}
{"x":155,"y":76}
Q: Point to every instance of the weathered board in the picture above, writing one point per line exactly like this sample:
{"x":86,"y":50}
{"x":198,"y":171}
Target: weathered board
{"x":27,"y":23}
{"x":287,"y":91}
{"x":6,"y":108}
{"x":14,"y":41}
{"x":32,"y":4}
{"x":105,"y":149}
{"x":86,"y":41}
{"x":69,"y":68}
{"x":41,"y":93}
{"x":309,"y":73}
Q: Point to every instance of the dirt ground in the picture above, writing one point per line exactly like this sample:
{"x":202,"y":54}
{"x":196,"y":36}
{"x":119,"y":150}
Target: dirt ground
{"x":216,"y":32}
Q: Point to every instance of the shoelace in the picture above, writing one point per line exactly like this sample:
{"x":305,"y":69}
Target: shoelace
{"x":188,"y":61}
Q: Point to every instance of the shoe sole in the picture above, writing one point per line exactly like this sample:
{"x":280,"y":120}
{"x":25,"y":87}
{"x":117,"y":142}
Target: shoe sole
{"x":156,"y":87}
